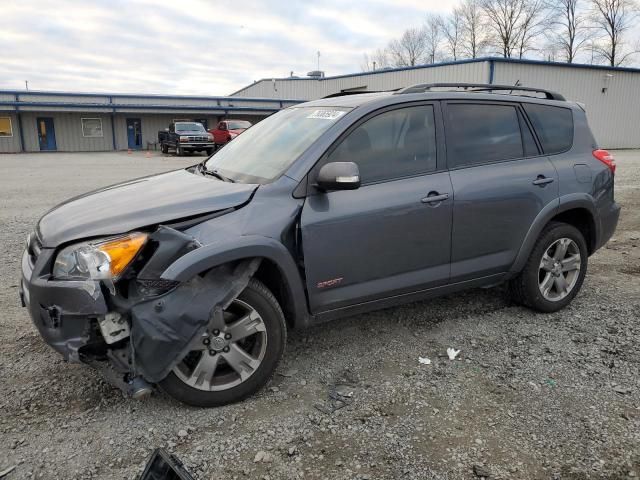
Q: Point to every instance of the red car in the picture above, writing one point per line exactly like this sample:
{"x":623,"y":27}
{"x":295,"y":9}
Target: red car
{"x":227,"y":130}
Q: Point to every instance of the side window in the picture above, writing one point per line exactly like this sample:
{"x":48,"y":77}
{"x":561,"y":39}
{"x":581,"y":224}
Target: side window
{"x":398,"y":143}
{"x":481,"y":133}
{"x":554,"y":126}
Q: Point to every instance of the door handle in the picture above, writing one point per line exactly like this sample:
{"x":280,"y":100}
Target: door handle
{"x":435,"y":197}
{"x":541,"y":181}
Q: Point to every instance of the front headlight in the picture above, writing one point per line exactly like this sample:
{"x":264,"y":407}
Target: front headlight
{"x":104,"y":259}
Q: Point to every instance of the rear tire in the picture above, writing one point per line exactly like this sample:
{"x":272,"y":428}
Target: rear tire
{"x":555,"y":270}
{"x":215,"y":390}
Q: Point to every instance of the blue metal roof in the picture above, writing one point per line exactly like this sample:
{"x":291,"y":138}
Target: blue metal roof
{"x":145,"y":96}
{"x":458,"y":62}
{"x":115,"y":107}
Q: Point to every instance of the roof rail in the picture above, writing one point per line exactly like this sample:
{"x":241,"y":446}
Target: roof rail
{"x":480,"y":87}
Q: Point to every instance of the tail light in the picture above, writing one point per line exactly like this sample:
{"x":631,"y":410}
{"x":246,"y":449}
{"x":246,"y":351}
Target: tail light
{"x":606,"y":158}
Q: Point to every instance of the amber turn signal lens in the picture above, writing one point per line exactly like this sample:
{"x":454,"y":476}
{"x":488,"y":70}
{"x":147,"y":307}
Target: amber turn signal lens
{"x":122,"y":251}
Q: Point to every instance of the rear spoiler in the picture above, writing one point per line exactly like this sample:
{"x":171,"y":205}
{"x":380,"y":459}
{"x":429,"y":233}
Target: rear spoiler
{"x":582,"y":106}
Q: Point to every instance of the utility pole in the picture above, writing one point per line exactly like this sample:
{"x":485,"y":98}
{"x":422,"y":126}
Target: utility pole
{"x":318,"y":59}
{"x":26,"y":84}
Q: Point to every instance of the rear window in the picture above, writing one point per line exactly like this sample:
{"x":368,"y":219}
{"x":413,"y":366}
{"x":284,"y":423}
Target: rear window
{"x":482,"y":133}
{"x":554,"y":126}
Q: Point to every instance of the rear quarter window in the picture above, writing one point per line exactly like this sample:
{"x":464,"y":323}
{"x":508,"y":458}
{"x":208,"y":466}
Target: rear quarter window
{"x":554,"y":126}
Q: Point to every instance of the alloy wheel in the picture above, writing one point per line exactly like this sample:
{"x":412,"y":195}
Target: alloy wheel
{"x":559,"y":269}
{"x":228,"y":353}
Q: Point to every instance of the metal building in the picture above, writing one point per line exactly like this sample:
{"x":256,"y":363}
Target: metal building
{"x":611,"y":95}
{"x":77,"y":122}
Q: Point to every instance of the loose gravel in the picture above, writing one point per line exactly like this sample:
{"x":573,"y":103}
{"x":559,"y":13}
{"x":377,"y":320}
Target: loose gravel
{"x":529,"y":395}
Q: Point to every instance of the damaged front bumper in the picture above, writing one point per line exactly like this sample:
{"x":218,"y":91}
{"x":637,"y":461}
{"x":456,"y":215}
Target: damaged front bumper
{"x":62,"y":311}
{"x":140,"y":333}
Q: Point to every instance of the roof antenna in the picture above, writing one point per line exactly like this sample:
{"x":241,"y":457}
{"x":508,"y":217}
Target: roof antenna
{"x":517,"y":84}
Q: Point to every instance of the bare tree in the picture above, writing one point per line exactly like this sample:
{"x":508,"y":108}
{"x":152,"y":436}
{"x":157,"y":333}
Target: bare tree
{"x":432,"y":31}
{"x":409,"y":49}
{"x":612,"y":19}
{"x":571,"y":28}
{"x":452,"y":27}
{"x":532,"y":25}
{"x":473,"y":33}
{"x":375,"y":61}
{"x":550,"y":52}
{"x":503,"y":23}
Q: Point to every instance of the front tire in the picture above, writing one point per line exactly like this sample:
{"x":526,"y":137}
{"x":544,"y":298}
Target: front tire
{"x":555,"y":270}
{"x":179,"y":151}
{"x":164,"y":148}
{"x":238,"y":355}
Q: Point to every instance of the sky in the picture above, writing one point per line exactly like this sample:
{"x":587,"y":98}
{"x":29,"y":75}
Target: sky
{"x":195,"y":47}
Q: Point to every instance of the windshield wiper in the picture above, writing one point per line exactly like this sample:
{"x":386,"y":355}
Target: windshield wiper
{"x":215,"y":173}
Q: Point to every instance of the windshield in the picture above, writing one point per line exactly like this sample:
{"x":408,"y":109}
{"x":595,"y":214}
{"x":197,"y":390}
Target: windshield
{"x":238,"y":125}
{"x":267,"y":149}
{"x":189,"y":127}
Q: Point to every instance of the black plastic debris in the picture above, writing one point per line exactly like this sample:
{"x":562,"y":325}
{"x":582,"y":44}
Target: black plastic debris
{"x":339,"y":396}
{"x":164,"y":466}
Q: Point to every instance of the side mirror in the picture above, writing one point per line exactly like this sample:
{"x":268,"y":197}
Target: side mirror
{"x":339,"y":176}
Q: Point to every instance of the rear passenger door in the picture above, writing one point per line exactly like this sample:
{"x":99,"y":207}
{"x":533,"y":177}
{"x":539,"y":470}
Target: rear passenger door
{"x":500,"y":180}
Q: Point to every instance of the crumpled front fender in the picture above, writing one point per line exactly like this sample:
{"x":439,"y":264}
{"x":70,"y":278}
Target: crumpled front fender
{"x":164,"y":327}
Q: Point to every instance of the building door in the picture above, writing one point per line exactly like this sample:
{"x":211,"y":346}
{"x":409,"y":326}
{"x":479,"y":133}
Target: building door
{"x":134,"y":133}
{"x":46,"y":133}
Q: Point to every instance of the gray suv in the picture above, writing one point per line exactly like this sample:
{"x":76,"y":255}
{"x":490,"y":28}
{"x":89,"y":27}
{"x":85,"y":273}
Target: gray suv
{"x":189,"y":280}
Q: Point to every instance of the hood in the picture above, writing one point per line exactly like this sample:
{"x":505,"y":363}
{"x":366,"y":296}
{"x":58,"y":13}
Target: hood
{"x":237,"y":131}
{"x":139,"y":203}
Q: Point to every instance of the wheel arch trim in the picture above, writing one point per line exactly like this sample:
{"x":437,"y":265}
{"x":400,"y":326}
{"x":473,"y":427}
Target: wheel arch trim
{"x":565,"y":203}
{"x":239,"y":248}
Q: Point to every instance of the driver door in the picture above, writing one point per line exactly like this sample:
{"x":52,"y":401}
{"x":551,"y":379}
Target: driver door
{"x":385,"y":238}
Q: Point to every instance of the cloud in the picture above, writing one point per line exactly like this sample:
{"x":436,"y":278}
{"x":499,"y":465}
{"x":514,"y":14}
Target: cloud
{"x":191,"y":46}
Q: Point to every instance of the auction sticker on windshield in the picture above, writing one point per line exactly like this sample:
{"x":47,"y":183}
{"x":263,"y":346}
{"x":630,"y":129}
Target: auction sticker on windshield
{"x":326,"y":114}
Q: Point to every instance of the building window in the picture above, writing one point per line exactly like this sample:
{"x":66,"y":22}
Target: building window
{"x":92,"y":127}
{"x":6,"y":129}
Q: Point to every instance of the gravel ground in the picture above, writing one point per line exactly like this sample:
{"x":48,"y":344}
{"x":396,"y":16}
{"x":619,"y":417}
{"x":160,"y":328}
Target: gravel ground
{"x":529,"y":396}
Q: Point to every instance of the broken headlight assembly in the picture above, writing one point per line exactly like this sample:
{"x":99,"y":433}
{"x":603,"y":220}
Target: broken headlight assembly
{"x":103,"y":259}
